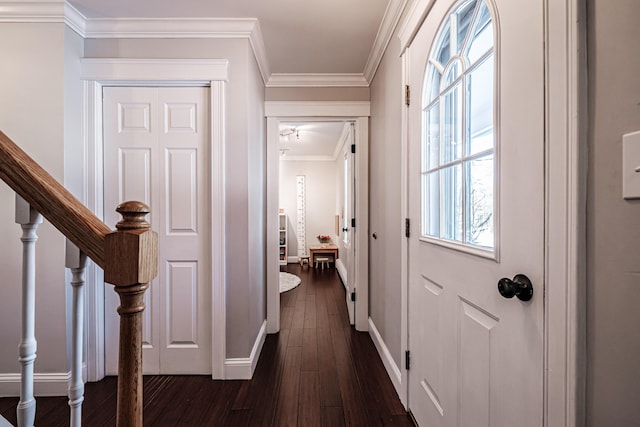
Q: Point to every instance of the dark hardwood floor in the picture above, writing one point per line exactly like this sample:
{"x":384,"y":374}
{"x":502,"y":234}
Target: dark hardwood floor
{"x":318,"y":371}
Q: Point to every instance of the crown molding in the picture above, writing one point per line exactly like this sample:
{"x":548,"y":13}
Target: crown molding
{"x":32,"y":11}
{"x":385,"y":32}
{"x":316,"y":80}
{"x":74,"y":19}
{"x":227,"y":28}
{"x":411,"y":23}
{"x":61,"y":11}
{"x":149,"y":28}
{"x":53,"y":11}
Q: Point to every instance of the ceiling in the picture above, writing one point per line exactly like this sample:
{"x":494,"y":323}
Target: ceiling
{"x":311,"y":140}
{"x":300,"y":36}
{"x":298,"y":43}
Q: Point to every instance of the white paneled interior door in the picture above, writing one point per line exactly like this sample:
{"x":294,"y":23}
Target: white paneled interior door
{"x":156,"y":151}
{"x":349,"y":214}
{"x":476,"y":202}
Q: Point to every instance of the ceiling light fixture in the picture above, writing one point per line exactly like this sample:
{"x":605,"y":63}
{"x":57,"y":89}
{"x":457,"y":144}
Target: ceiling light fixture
{"x":286,"y":134}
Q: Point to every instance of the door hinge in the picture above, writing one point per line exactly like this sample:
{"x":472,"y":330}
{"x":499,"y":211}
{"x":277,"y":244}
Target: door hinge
{"x":407,"y":227}
{"x":353,"y":295}
{"x":407,"y":359}
{"x":353,"y":223}
{"x":353,"y":148}
{"x":407,"y":95}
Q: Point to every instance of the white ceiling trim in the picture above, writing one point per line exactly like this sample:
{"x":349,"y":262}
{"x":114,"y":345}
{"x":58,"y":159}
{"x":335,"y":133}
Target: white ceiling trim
{"x":32,"y":11}
{"x":316,"y":80}
{"x":62,"y":11}
{"x":226,"y":28}
{"x":56,"y":11}
{"x":170,"y":27}
{"x":385,"y":32}
{"x":412,"y":21}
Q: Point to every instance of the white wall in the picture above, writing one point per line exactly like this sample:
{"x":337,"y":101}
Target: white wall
{"x":613,"y":224}
{"x":385,"y":214}
{"x":320,"y":182}
{"x":244,"y":151}
{"x":31,"y":113}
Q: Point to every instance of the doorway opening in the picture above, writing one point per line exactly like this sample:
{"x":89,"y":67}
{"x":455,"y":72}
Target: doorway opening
{"x":293,"y":123}
{"x":316,"y":196}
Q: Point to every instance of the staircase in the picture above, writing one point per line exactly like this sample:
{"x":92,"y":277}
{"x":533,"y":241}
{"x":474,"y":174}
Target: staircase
{"x":128,"y":256}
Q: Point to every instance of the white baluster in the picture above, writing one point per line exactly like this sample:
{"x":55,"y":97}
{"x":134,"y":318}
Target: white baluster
{"x":29,"y":219}
{"x":76,"y":261}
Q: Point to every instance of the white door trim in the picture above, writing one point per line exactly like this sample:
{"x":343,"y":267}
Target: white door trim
{"x":275,"y":111}
{"x":565,"y":206}
{"x":101,"y":72}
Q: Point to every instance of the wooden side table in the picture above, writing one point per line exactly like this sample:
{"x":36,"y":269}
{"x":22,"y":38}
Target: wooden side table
{"x":323,"y":249}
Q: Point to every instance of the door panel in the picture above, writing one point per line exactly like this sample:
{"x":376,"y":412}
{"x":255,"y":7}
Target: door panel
{"x":477,"y":358}
{"x":155,"y":142}
{"x":348,"y":232}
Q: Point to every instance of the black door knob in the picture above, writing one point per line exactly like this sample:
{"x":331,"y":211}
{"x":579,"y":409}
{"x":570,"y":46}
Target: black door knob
{"x":520,"y":287}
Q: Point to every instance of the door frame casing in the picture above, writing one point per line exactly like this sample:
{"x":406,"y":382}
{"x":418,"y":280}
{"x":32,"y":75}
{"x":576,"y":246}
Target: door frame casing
{"x":99,"y":72}
{"x":565,"y":206}
{"x":359,"y":112}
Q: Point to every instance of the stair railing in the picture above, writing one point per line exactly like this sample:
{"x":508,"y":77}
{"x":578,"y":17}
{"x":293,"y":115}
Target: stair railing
{"x":128,"y":256}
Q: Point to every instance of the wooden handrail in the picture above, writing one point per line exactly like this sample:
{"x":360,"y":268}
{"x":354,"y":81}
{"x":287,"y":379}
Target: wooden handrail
{"x":128,"y":255}
{"x":52,"y":200}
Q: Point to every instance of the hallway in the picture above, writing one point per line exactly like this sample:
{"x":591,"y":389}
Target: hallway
{"x":318,"y":371}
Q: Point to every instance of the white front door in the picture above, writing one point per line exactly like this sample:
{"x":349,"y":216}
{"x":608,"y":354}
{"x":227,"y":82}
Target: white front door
{"x":476,"y":187}
{"x":155,"y":151}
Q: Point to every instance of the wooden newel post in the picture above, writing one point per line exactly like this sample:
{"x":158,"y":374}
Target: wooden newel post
{"x":131,"y":263}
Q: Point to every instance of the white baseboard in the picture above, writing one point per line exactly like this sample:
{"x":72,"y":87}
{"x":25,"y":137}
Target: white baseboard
{"x":53,"y":384}
{"x":293,"y":259}
{"x":342,"y":271}
{"x":390,"y":365}
{"x":242,"y":368}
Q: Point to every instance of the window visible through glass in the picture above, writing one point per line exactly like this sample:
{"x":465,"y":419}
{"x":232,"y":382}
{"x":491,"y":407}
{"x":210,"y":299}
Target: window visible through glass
{"x":458,"y":140}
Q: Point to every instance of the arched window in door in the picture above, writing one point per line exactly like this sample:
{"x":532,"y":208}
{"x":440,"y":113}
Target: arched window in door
{"x":458,"y":138}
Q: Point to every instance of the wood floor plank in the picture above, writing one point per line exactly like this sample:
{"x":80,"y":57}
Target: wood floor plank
{"x":287,"y":406}
{"x":196,"y":412}
{"x":332,"y":416}
{"x":316,"y":371}
{"x":309,"y":401}
{"x":322,"y":315}
{"x":295,"y":337}
{"x":329,"y":385}
{"x":352,"y":397}
{"x":221,"y":406}
{"x":310,"y":316}
{"x":309,"y":350}
{"x":269,"y":378}
{"x":286,"y":318}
